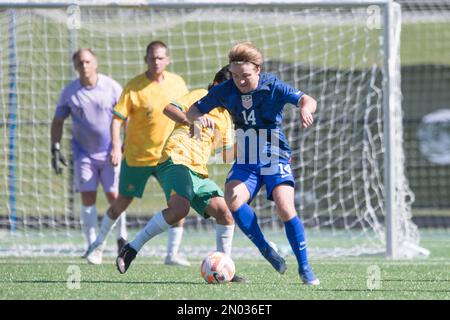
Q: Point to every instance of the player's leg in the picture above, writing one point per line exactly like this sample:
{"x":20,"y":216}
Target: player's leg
{"x":94,"y":253}
{"x":217,"y":208}
{"x":89,"y":215}
{"x":175,"y":234}
{"x":109,"y":177}
{"x":86,"y":182}
{"x":280,"y":189}
{"x":131,"y":184}
{"x":177,"y":185}
{"x":175,"y":179}
{"x":209,"y":202}
{"x":241,"y":186}
{"x":121,"y":224}
{"x":177,"y":209}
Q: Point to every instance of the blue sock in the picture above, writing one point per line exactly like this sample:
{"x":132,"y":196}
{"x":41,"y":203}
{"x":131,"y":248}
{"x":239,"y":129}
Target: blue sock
{"x":246,"y":219}
{"x":296,"y":236}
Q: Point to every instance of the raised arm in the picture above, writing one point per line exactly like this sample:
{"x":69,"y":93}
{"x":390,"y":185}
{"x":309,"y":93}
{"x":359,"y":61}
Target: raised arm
{"x":308,"y":106}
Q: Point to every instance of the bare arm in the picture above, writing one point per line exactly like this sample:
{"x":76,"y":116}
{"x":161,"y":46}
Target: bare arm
{"x":56,"y":131}
{"x":116,"y":152}
{"x":176,"y":114}
{"x":308,"y":106}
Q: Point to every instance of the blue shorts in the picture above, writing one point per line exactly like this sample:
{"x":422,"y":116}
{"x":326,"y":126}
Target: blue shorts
{"x":254,"y":177}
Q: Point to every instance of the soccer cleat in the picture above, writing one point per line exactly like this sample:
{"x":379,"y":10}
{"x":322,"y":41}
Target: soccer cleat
{"x":126,"y":255}
{"x":308,"y":277}
{"x":274,"y":258}
{"x":121,"y":242}
{"x":94,"y":254}
{"x":176,"y":260}
{"x":238,"y":279}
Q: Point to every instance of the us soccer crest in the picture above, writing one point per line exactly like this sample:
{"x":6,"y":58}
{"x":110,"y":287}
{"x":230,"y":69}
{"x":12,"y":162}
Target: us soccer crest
{"x":247,"y":101}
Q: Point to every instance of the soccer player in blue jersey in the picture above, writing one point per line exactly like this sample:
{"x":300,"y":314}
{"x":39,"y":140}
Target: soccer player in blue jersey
{"x":255,"y":101}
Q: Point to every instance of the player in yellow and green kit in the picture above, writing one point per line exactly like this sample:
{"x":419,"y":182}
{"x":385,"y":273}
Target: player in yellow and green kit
{"x":141,"y":104}
{"x":183,"y":175}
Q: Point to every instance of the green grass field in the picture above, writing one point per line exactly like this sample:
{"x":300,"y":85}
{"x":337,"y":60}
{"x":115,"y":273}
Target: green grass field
{"x":148,"y":278}
{"x":43,"y":278}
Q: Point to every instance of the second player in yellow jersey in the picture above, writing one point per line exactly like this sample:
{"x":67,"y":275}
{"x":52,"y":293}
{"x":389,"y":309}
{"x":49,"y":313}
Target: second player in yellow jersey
{"x":142,"y":103}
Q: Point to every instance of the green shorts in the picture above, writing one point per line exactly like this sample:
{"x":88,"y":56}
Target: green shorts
{"x":132,"y":180}
{"x":179,"y":179}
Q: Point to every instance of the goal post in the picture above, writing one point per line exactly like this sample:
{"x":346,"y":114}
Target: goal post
{"x":349,"y":166}
{"x":391,"y":98}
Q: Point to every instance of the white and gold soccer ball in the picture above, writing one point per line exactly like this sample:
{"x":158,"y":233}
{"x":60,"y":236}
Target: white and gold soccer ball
{"x":217,"y":267}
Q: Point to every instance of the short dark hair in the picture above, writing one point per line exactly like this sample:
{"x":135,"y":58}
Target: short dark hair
{"x":222,"y":75}
{"x":156,"y":44}
{"x":76,"y":55}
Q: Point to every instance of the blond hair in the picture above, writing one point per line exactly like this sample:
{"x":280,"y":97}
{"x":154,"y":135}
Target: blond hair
{"x":243,"y":52}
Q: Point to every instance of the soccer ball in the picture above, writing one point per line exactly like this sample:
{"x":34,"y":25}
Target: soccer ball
{"x":217,"y":267}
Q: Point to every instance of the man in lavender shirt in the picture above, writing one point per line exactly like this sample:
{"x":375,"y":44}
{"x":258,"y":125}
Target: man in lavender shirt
{"x":89,"y":100}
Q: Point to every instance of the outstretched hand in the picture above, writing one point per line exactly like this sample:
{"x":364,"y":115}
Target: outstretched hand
{"x":57,"y":159}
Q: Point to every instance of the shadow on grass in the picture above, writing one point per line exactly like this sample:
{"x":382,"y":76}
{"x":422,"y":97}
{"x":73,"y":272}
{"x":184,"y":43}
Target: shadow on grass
{"x":383,"y":290}
{"x":416,"y":280}
{"x":364,"y":290}
{"x":203,"y":284}
{"x":106,"y":282}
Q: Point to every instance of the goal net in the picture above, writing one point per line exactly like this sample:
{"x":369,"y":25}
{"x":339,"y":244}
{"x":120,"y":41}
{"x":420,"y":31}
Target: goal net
{"x":349,"y":166}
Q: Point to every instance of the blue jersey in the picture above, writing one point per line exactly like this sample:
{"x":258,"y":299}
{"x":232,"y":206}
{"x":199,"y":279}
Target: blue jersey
{"x":259,"y":111}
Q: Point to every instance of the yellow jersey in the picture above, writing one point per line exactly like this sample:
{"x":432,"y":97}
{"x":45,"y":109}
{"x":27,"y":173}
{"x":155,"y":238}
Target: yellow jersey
{"x":141,"y":104}
{"x":194,"y":152}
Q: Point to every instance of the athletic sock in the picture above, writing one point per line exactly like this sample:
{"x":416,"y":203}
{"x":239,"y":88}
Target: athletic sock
{"x":296,"y":236}
{"x":224,"y":238}
{"x":174,"y":240}
{"x":247,"y":221}
{"x":89,"y":222}
{"x":155,"y":226}
{"x":105,"y":227}
{"x":122,"y":227}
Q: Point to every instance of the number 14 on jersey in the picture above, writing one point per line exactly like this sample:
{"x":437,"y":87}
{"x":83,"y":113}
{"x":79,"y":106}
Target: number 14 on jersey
{"x":249,"y":117}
